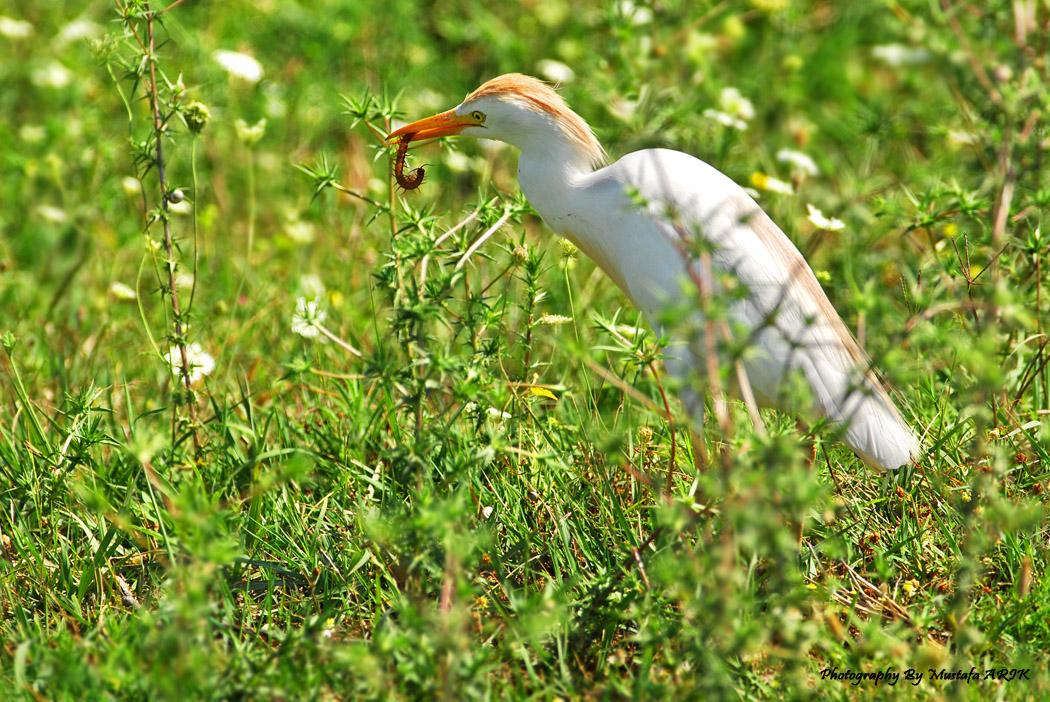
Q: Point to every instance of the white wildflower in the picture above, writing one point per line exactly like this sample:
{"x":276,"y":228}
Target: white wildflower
{"x":32,"y":133}
{"x":957,"y":136}
{"x":553,"y":319}
{"x":637,"y":15}
{"x":132,"y":186}
{"x":53,"y":75}
{"x":735,"y":104}
{"x":311,"y":286}
{"x":898,"y":55}
{"x":180,"y":208}
{"x":250,"y":133}
{"x":15,"y":29}
{"x":725,"y":119}
{"x":771,"y":184}
{"x":50,"y":213}
{"x":308,"y":317}
{"x":821,"y":222}
{"x":800,"y":162}
{"x":555,"y":71}
{"x":298,"y":230}
{"x":76,"y":30}
{"x":775,"y":185}
{"x":120,"y":291}
{"x":472,"y":408}
{"x":239,"y":65}
{"x":201,"y":363}
{"x":624,"y":109}
{"x":275,"y":105}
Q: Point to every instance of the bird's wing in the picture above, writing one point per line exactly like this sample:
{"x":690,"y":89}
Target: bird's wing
{"x":793,"y":326}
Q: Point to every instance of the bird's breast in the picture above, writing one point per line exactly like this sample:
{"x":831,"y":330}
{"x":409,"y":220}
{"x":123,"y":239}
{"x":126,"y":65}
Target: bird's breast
{"x":597,"y":216}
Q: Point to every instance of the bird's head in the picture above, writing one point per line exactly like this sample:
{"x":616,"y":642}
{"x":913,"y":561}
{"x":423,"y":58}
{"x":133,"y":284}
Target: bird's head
{"x":516,"y":109}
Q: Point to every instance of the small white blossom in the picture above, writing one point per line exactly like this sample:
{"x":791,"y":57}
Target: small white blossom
{"x":624,"y":109}
{"x":75,"y":30}
{"x":311,"y":286}
{"x":15,"y":29}
{"x":800,"y":162}
{"x":821,"y":222}
{"x":250,"y":133}
{"x":239,"y":65}
{"x":553,"y":319}
{"x":120,"y":291}
{"x":132,"y":186}
{"x":201,"y":362}
{"x":725,"y":119}
{"x":32,"y":133}
{"x":180,"y":208}
{"x":50,"y":213}
{"x":898,"y":55}
{"x":494,"y":412}
{"x":775,"y":185}
{"x":957,"y":136}
{"x":771,"y":184}
{"x":298,"y":230}
{"x":637,"y":15}
{"x":308,"y":317}
{"x":735,"y":104}
{"x":555,"y":71}
{"x":53,"y":75}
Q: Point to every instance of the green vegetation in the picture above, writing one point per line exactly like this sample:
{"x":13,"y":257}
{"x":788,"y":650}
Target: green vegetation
{"x":390,"y":476}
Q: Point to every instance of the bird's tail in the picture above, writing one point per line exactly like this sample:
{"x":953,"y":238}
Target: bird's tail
{"x":874,"y":429}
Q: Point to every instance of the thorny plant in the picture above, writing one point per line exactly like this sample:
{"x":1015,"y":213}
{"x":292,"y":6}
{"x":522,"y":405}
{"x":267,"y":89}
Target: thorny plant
{"x":445,"y":323}
{"x":136,"y":55}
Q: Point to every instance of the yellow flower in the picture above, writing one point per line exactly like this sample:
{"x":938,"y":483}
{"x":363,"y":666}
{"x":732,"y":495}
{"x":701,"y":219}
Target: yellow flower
{"x":764,"y":182}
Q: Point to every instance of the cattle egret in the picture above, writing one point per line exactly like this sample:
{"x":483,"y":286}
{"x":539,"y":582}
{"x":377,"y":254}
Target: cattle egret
{"x":633,"y":217}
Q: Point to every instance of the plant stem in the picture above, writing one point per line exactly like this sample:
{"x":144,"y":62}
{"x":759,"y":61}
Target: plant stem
{"x":196,"y":246}
{"x":251,"y":225}
{"x":158,"y":127}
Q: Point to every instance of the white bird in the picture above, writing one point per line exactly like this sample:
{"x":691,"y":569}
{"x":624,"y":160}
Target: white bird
{"x":635,"y":219}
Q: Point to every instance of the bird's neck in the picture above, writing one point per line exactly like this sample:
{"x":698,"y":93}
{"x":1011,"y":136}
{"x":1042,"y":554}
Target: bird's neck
{"x":549,"y":172}
{"x":560,"y":187}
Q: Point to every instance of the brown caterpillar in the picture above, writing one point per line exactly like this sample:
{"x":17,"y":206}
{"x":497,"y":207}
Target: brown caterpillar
{"x":412,"y":180}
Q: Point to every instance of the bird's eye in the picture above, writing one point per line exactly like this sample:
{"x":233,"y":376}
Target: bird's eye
{"x":478,"y":116}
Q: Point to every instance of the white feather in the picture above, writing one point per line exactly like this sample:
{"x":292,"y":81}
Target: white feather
{"x":631,"y":218}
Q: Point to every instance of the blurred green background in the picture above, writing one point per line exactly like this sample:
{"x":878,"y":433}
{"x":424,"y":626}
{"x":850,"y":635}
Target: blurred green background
{"x":422,"y":523}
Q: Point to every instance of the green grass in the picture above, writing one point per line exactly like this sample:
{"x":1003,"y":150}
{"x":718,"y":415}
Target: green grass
{"x":482,"y":505}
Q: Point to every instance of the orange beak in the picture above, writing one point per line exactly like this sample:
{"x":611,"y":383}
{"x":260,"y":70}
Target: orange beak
{"x":442,"y":125}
